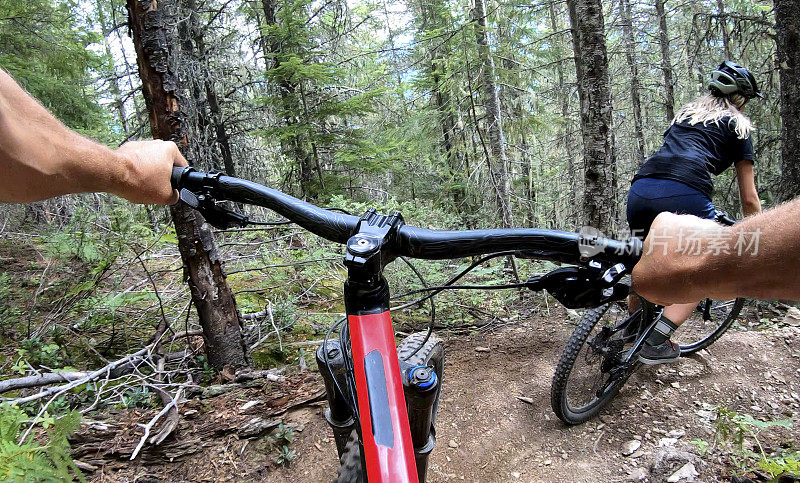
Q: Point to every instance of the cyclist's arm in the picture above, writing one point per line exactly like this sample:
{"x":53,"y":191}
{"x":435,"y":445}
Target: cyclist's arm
{"x":41,"y":158}
{"x":767,"y":268}
{"x":748,"y":194}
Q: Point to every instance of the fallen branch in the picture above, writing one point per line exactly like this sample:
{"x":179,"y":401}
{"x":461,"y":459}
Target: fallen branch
{"x":272,"y":321}
{"x":306,"y":343}
{"x":263,"y":339}
{"x":114,"y":369}
{"x":254,"y":315}
{"x":38,"y":380}
{"x":273,"y":375}
{"x":134,"y":363}
{"x":57,"y":390}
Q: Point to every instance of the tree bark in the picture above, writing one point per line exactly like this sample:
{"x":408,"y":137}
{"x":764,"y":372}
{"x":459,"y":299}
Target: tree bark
{"x":666,"y":61}
{"x":630,"y":54}
{"x":221,"y":137}
{"x":591,"y":65}
{"x":213,"y":298}
{"x":787,"y":16}
{"x":723,"y":25}
{"x":497,"y":143}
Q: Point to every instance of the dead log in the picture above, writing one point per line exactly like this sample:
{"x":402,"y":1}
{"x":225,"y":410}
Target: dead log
{"x":38,"y":380}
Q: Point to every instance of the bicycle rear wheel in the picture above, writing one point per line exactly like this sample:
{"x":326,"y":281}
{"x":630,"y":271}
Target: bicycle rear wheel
{"x":590,"y":373}
{"x":431,"y":354}
{"x":707,"y":324}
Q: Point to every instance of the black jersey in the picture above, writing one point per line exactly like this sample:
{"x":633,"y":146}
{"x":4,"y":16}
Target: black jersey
{"x":692,"y":153}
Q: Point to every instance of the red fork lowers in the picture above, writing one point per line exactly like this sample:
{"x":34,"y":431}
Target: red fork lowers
{"x":385,"y":434}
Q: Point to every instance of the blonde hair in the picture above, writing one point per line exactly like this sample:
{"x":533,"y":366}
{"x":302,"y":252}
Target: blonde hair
{"x":709,"y":108}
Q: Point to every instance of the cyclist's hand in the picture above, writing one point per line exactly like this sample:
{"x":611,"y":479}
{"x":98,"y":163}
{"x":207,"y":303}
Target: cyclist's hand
{"x":148,"y":172}
{"x":674,"y":251}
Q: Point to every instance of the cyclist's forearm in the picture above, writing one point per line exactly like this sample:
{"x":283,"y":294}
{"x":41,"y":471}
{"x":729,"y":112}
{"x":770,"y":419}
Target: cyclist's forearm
{"x":768,"y":268}
{"x":41,"y":158}
{"x":756,"y":258}
{"x":751,"y":207}
{"x":748,"y":193}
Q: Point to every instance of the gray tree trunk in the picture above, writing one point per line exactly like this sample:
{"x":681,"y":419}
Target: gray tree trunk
{"x":666,"y":60}
{"x":150,"y":26}
{"x":497,"y":143}
{"x":591,"y":65}
{"x":630,"y":54}
{"x":567,"y":137}
{"x":221,"y":137}
{"x":787,"y":16}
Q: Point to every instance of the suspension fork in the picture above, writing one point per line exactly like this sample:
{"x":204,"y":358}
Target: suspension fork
{"x":332,"y":363}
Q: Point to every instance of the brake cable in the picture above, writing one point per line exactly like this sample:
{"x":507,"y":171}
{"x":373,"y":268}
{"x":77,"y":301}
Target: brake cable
{"x":328,"y":364}
{"x":449,"y":283}
{"x":433,"y":308}
{"x":226,"y":216}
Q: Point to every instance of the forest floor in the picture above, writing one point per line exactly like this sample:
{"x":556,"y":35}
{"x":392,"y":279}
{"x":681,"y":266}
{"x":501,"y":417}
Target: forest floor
{"x":487,"y":433}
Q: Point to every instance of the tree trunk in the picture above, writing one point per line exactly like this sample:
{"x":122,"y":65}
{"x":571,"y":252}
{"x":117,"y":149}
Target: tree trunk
{"x":591,"y":65}
{"x":113,"y":81}
{"x":216,"y":306}
{"x":666,"y":62}
{"x":221,"y":137}
{"x":630,"y":54}
{"x":787,"y":16}
{"x":569,"y":144}
{"x":429,"y":18}
{"x":497,"y":143}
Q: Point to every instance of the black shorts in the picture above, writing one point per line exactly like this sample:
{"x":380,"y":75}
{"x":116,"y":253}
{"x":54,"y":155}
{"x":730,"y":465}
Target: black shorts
{"x":649,"y":197}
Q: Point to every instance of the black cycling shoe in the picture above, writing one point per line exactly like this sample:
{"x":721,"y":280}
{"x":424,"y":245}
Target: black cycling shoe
{"x":659,"y":354}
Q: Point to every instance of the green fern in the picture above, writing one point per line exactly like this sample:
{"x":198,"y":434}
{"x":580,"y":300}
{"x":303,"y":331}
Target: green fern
{"x":29,"y":461}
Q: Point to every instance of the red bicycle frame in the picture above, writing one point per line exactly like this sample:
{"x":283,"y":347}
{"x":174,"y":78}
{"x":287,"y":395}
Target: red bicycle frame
{"x":377,"y":379}
{"x":385,"y":434}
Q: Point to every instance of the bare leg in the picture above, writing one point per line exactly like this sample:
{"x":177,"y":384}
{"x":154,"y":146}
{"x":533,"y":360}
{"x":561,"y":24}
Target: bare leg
{"x":634,"y":303}
{"x":678,"y":313}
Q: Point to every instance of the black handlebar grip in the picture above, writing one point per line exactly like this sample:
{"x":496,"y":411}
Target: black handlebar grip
{"x":177,"y":175}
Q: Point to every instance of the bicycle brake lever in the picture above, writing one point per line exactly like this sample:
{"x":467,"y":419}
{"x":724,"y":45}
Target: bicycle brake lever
{"x":216,"y":216}
{"x":614,"y":275}
{"x":189,"y":198}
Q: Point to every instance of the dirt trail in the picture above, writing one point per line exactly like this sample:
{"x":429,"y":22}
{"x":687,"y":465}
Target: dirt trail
{"x":486,"y":434}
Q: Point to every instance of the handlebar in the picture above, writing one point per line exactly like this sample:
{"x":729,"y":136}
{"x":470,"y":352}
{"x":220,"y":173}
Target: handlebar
{"x":411,"y":241}
{"x":336,"y":227}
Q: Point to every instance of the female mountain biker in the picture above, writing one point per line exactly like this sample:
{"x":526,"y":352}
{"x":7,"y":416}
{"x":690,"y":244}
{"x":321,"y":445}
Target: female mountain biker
{"x":706,"y":137}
